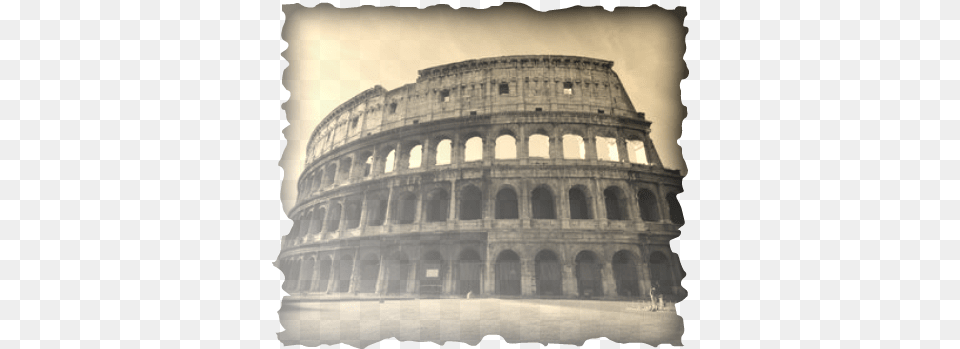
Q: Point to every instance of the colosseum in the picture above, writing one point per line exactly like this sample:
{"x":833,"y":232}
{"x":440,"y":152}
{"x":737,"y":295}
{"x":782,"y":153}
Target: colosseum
{"x":516,"y":176}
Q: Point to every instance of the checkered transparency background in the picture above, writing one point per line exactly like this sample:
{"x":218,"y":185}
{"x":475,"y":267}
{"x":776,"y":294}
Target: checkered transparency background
{"x":139,"y":190}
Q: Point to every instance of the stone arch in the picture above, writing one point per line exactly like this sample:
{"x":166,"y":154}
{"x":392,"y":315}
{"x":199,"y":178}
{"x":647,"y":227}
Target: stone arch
{"x":616,"y":203}
{"x":412,"y":155}
{"x":607,"y":149}
{"x":506,"y":147}
{"x":508,"y":274}
{"x":387,"y":161}
{"x":346,"y":164}
{"x":333,"y":220}
{"x":649,"y":210}
{"x":579,"y":203}
{"x":507,"y":204}
{"x":625,"y":274}
{"x":549,"y":274}
{"x":306,"y":273}
{"x":319,"y":216}
{"x":405,"y":208}
{"x":542,"y":202}
{"x":376,"y":208}
{"x":443,"y":152}
{"x":323,"y":273}
{"x":636,"y":149}
{"x":369,"y":269}
{"x":538,"y":145}
{"x":344,"y":272}
{"x":471,"y":203}
{"x":398,"y":273}
{"x":432,"y":273}
{"x":470,"y":267}
{"x":366,"y":165}
{"x":574,"y":147}
{"x":330,"y":175}
{"x":473,"y":149}
{"x":589,"y":272}
{"x":353,"y":207}
{"x":676,"y":212}
{"x":437,"y":205}
{"x":660,"y":274}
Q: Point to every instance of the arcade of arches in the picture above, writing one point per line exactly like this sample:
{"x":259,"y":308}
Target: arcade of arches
{"x":424,"y":271}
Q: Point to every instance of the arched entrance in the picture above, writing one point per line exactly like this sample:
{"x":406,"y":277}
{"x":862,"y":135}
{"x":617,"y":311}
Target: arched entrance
{"x":432,"y":273}
{"x":306,"y":274}
{"x":625,"y":273}
{"x":398,"y":273}
{"x":369,"y":272}
{"x":549,"y":280}
{"x":508,"y":274}
{"x":660,"y":272}
{"x":589,"y":275}
{"x":469,"y":273}
{"x":345,"y":273}
{"x":323,"y":274}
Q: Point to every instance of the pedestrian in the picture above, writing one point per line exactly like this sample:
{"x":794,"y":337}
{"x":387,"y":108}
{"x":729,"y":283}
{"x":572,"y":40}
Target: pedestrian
{"x":654,"y":296}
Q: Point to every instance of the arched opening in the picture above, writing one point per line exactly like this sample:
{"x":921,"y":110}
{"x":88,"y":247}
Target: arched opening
{"x":376,"y":210}
{"x":398,"y":273}
{"x":507,"y":207}
{"x":549,"y":275}
{"x":389,"y":161}
{"x":444,"y":152}
{"x":473,"y":149}
{"x":369,"y":272}
{"x":469,"y":273}
{"x":291,"y":273}
{"x":331,"y":176}
{"x":353,"y":213}
{"x":438,"y":205}
{"x":635,"y":152}
{"x":614,"y":200}
{"x":573,"y":147}
{"x":318,"y":218}
{"x":607,"y":149}
{"x":508,"y":274}
{"x":406,"y":208}
{"x":542,"y":203}
{"x":306,"y":274}
{"x":506,"y":147}
{"x":676,"y":213}
{"x":317,"y":181}
{"x":625,"y":274}
{"x":433,"y":271}
{"x":579,"y":205}
{"x":648,"y":205}
{"x":345,"y":273}
{"x":323,"y":274}
{"x":414,"y":157}
{"x":346,"y":165}
{"x":333,"y":221}
{"x":307,"y":224}
{"x":539,"y":146}
{"x":589,"y":275}
{"x":660,"y":274}
{"x":367,"y":164}
{"x":471,"y":203}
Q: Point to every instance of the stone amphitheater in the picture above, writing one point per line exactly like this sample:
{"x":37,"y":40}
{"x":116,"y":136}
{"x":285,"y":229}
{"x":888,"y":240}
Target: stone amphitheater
{"x":516,"y":176}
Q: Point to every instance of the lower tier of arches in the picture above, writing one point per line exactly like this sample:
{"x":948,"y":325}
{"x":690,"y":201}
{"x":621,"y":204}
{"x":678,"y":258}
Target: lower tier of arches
{"x":455,"y":265}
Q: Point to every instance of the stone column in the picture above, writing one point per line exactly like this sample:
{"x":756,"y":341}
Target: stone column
{"x":452,"y":211}
{"x":590,"y":147}
{"x":332,"y":283}
{"x":428,"y":155}
{"x":652,"y":157}
{"x":570,"y":278}
{"x":622,"y":155}
{"x":363,"y":214}
{"x":663,"y":204}
{"x":448,"y":286}
{"x":342,"y":225}
{"x":389,"y":216}
{"x":608,"y":280}
{"x":381,"y":275}
{"x":488,"y":285}
{"x":528,"y":276}
{"x":354,"y":274}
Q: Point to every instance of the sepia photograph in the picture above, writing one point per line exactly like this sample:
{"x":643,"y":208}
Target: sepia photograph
{"x":453,"y":174}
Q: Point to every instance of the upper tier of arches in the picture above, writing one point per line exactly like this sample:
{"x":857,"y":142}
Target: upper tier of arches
{"x":477,"y":87}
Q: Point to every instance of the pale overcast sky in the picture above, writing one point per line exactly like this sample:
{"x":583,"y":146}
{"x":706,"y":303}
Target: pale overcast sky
{"x":335,"y":54}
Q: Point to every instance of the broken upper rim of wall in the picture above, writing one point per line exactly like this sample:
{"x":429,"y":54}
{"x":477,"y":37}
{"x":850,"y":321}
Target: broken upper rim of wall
{"x":375,"y":99}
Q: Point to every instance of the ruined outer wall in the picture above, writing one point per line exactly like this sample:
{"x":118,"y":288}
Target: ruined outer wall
{"x":473,"y":87}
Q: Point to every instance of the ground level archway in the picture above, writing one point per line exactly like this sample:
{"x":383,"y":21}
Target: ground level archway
{"x":549,"y":274}
{"x":589,"y":275}
{"x":470,"y":267}
{"x":508,"y":274}
{"x":625,"y":274}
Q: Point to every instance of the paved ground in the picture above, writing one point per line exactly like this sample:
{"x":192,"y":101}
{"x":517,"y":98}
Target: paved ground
{"x":361,"y":323}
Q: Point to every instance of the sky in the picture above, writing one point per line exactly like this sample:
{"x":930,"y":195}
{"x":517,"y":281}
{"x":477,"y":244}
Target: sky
{"x":334,"y":54}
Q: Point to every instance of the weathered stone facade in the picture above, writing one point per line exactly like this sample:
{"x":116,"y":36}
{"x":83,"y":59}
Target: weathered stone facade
{"x":508,"y":176}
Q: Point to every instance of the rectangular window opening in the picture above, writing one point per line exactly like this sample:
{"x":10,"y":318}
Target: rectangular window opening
{"x":568,"y":88}
{"x":473,"y":112}
{"x":538,"y":109}
{"x":599,"y":111}
{"x":445,"y":96}
{"x":504,"y":88}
